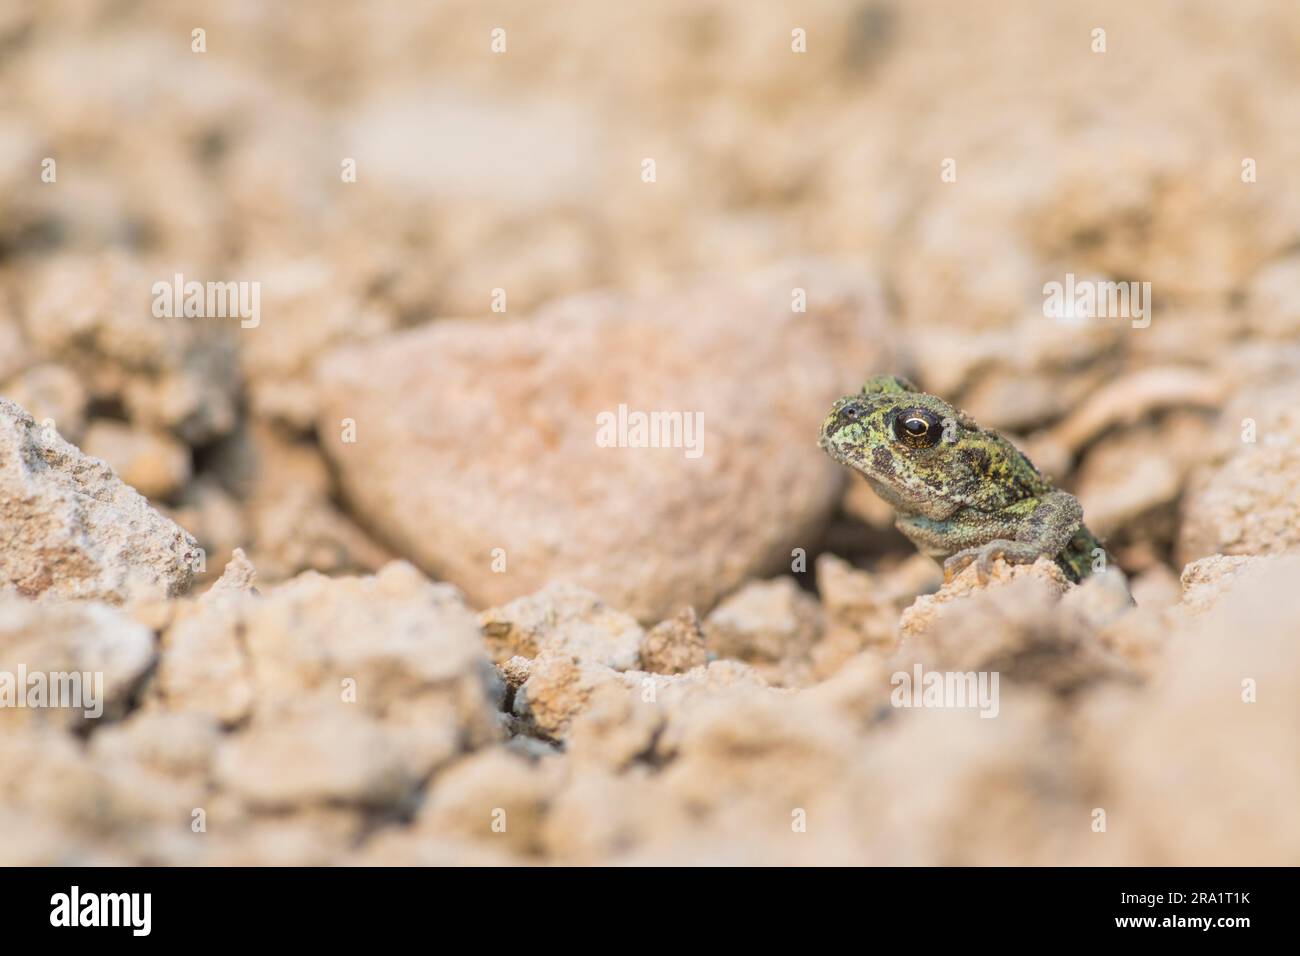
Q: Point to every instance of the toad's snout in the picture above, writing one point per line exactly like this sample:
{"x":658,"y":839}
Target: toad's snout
{"x":843,"y":414}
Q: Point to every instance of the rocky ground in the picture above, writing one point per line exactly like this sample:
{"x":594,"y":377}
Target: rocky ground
{"x":364,"y":589}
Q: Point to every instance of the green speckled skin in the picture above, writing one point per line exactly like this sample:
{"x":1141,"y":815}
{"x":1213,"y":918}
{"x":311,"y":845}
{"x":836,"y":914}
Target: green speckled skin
{"x":961,"y":493}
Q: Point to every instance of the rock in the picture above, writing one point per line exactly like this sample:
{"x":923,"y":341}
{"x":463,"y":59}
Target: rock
{"x":395,"y":647}
{"x":1156,"y":587}
{"x":493,"y":797}
{"x":217,"y":521}
{"x":291,"y":521}
{"x":204,"y":668}
{"x":173,"y":744}
{"x":94,"y":316}
{"x":74,"y":529}
{"x":240,"y":577}
{"x":1024,"y":625}
{"x":305,"y":314}
{"x":676,"y":645}
{"x":1273,"y":300}
{"x":619,"y":725}
{"x":313,"y":836}
{"x":51,"y":393}
{"x":107,"y":651}
{"x":150,"y":462}
{"x":1205,"y":581}
{"x":1225,"y":709}
{"x":929,"y":607}
{"x":478,"y":448}
{"x":770,"y":624}
{"x":1134,"y":399}
{"x":14,"y":358}
{"x":863,"y":503}
{"x":862,"y":607}
{"x":1136,"y":473}
{"x":562,"y":619}
{"x":47,"y":779}
{"x":318,"y":757}
{"x":515,"y":671}
{"x":558,"y":687}
{"x":1245,"y":502}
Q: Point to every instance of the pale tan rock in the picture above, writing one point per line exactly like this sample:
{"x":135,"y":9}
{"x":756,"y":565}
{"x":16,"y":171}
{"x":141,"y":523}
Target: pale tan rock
{"x":676,"y":645}
{"x":1156,"y":587}
{"x":788,"y":748}
{"x":501,"y":423}
{"x":106,"y":650}
{"x":1002,"y":789}
{"x":174,"y":744}
{"x":45,"y":769}
{"x":678,"y":696}
{"x":94,"y":315}
{"x":1225,"y":709}
{"x":204,"y":668}
{"x":51,"y":393}
{"x":31,"y":838}
{"x":1245,"y":502}
{"x":1273,"y":300}
{"x":515,"y":671}
{"x":1127,"y":483}
{"x":862,"y":607}
{"x":929,"y":607}
{"x":74,"y":529}
{"x":218,"y":522}
{"x":617,"y":726}
{"x":1206,"y":581}
{"x":314,"y":836}
{"x":305,"y":316}
{"x":239,"y":576}
{"x":770,"y":624}
{"x":493,"y":797}
{"x":327,"y":755}
{"x":562,"y":619}
{"x":1025,"y":625}
{"x":863,"y":503}
{"x":603,"y":815}
{"x":289,"y":521}
{"x":395,"y":647}
{"x":1134,"y":398}
{"x":13,"y":355}
{"x":154,"y":464}
{"x":400,"y":846}
{"x":559,"y":685}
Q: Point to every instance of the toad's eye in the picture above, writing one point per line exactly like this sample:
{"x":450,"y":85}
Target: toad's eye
{"x":918,"y":427}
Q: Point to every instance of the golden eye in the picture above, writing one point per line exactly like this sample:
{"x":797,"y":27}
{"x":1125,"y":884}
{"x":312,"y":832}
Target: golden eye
{"x":918,"y":427}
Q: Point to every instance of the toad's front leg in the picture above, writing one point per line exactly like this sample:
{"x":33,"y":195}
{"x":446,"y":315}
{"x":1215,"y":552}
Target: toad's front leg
{"x":1029,"y":529}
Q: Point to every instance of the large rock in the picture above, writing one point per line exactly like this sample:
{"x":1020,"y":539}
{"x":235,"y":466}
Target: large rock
{"x":71,"y":527}
{"x":472,"y":437}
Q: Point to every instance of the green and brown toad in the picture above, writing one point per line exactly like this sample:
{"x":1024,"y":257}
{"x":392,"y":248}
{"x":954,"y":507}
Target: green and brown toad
{"x":961,"y":493}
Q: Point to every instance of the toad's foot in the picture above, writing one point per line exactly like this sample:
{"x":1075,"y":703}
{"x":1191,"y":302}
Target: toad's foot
{"x":983,"y":556}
